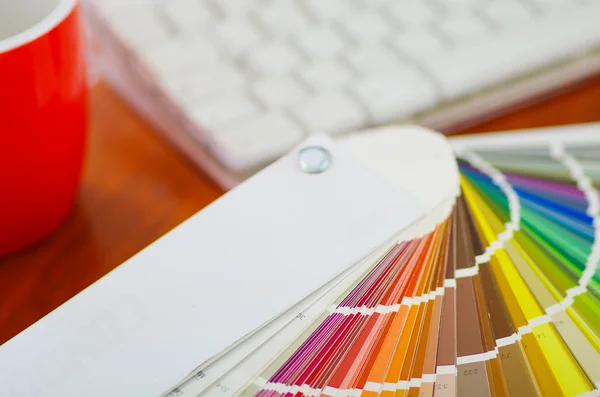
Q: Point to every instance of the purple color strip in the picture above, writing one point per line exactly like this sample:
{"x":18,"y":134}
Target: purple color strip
{"x":551,"y":187}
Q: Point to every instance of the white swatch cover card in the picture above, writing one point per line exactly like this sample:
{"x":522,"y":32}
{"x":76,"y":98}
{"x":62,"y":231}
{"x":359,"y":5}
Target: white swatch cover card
{"x":232,"y":277}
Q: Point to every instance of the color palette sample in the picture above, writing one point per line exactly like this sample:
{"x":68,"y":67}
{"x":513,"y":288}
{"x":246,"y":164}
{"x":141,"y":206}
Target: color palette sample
{"x":501,"y":298}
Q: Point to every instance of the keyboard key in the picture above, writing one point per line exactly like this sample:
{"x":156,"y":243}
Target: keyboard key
{"x":258,"y":139}
{"x":367,"y":59}
{"x":418,"y":43}
{"x":552,"y":8}
{"x":217,"y":111}
{"x":551,"y":5}
{"x":232,"y":7}
{"x":462,"y":27}
{"x":137,"y":24}
{"x":366,"y":27}
{"x":393,"y":97}
{"x":236,"y":35}
{"x":459,"y":5}
{"x":505,"y":13}
{"x":110,"y":7}
{"x":331,"y":113}
{"x":273,"y":59}
{"x":464,"y":71}
{"x":277,"y":92}
{"x":340,"y":64}
{"x":202,"y":83}
{"x":324,"y":74}
{"x":411,"y":12}
{"x":179,"y":54}
{"x":329,"y":10}
{"x":282,"y":18}
{"x":187,"y":14}
{"x":320,"y":41}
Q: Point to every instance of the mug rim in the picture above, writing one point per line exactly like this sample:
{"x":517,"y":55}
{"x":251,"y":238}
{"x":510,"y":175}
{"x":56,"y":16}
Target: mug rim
{"x":50,"y":21}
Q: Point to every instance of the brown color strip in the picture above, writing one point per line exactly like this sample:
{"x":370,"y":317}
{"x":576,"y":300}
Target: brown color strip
{"x":462,"y":245}
{"x":472,"y":380}
{"x":447,"y":340}
{"x":519,"y":380}
{"x":445,"y":386}
{"x":497,"y":379}
{"x":495,"y":374}
{"x":451,"y":257}
{"x":446,"y":354}
{"x":476,"y":242}
{"x":499,"y":318}
{"x":484,"y":321}
{"x":468,"y":331}
{"x":443,"y":255}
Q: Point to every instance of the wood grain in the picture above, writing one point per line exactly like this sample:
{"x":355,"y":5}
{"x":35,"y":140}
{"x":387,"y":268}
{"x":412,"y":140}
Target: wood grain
{"x":136,"y":188}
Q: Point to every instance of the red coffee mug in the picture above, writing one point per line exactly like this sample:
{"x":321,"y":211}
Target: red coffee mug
{"x":43,"y":115}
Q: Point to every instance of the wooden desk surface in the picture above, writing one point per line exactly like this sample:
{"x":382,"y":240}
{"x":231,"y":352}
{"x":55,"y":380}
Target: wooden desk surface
{"x":136,"y":188}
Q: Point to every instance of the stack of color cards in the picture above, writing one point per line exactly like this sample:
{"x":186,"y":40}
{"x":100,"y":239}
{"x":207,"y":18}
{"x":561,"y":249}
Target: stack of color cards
{"x":500,"y":298}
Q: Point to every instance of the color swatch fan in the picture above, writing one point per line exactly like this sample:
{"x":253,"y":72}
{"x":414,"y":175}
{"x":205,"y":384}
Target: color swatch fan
{"x":496,"y":292}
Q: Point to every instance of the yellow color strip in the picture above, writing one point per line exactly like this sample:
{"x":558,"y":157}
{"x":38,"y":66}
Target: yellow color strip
{"x":529,"y":305}
{"x":546,"y":382}
{"x":583,"y":327}
{"x":582,"y":350}
{"x":565,"y":369}
{"x":484,"y":215}
{"x":551,"y":288}
{"x":510,"y":300}
{"x":489,"y":230}
{"x":569,"y":376}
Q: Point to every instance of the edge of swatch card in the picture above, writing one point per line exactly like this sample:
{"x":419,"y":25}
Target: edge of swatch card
{"x":210,"y":281}
{"x":571,"y":133}
{"x":381,"y":151}
{"x":386,"y":150}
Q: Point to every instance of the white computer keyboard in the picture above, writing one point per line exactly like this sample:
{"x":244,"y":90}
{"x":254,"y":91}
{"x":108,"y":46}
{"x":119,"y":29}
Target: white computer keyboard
{"x":256,"y":76}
